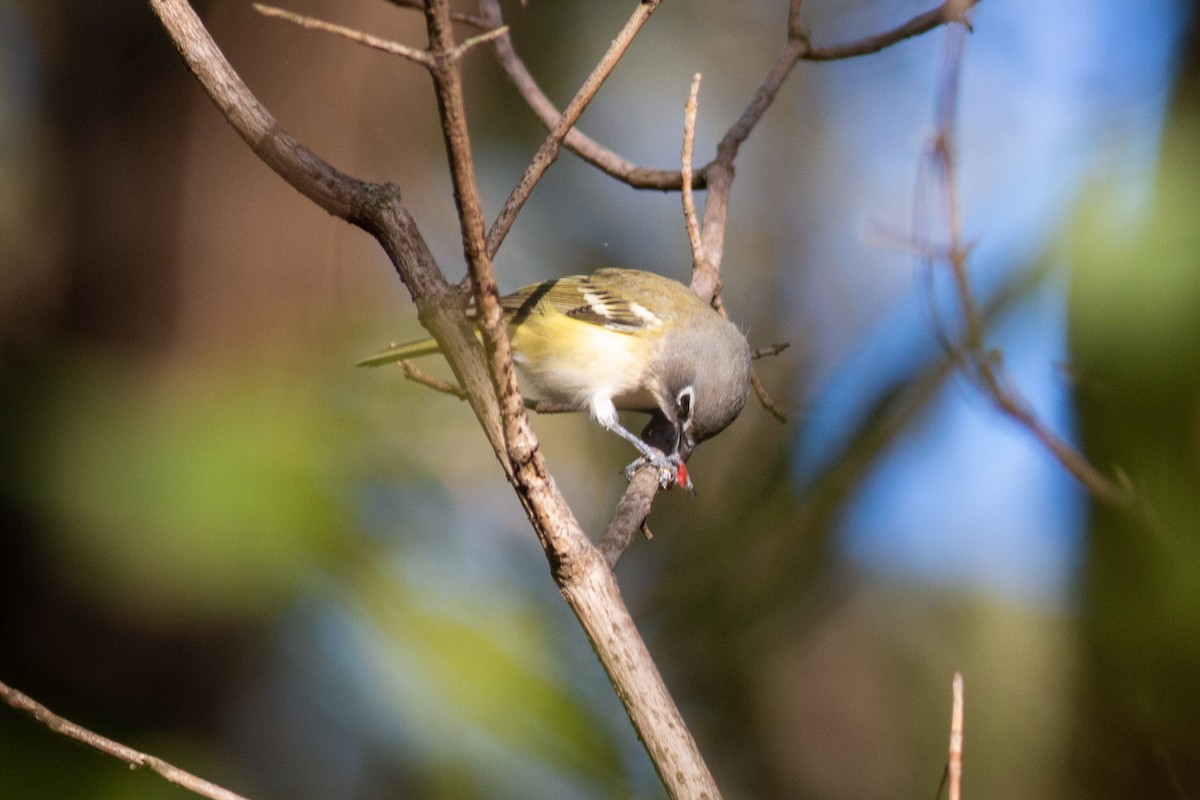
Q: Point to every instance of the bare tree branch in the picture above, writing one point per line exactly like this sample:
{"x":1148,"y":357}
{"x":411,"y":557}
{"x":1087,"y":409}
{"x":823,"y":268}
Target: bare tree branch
{"x":760,"y":391}
{"x":636,"y":502}
{"x":772,"y":350}
{"x":416,"y":375}
{"x":765,"y":399}
{"x":486,"y":374}
{"x":949,"y":11}
{"x":798,"y":48}
{"x":134,"y":758}
{"x":310,"y":23}
{"x":466,"y":45}
{"x":575,"y":141}
{"x":548,"y":151}
{"x":630,"y":515}
{"x":689,"y":141}
{"x":956,"y":739}
{"x":376,"y":208}
{"x":987,"y":368}
{"x":579,"y":569}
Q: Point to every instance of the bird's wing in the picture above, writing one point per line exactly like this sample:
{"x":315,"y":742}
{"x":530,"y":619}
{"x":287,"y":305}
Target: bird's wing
{"x":580,"y":297}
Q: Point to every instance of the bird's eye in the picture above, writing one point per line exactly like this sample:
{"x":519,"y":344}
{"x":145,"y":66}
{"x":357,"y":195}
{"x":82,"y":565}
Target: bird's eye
{"x":683,"y":403}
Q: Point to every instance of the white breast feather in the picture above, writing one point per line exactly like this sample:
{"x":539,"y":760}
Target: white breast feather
{"x":602,"y":368}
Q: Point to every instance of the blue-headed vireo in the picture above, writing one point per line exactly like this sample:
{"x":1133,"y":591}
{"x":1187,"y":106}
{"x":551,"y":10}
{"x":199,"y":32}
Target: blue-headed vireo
{"x":624,"y":339}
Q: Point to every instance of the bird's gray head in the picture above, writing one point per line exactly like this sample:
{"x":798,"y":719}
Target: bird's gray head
{"x":706,"y":371}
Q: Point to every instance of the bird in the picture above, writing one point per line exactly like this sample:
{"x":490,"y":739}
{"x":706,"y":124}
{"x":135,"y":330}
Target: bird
{"x":624,"y":340}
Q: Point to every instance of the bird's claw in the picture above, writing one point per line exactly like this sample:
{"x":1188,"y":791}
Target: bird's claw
{"x":671,"y":470}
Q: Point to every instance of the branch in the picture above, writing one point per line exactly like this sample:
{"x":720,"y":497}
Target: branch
{"x":548,"y":152}
{"x":579,"y":569}
{"x":765,"y":399}
{"x":575,"y":140}
{"x":313,"y":24}
{"x":720,"y":171}
{"x":630,"y":516}
{"x":581,"y":572}
{"x":947,"y":12}
{"x":685,"y":170}
{"x":376,"y":208}
{"x":987,"y":368}
{"x":954,"y":765}
{"x":635,"y":504}
{"x":772,"y":350}
{"x":134,"y":758}
{"x":414,"y":374}
{"x":797,"y":48}
{"x":706,"y":249}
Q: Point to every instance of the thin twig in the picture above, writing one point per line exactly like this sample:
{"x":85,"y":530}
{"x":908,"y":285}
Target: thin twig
{"x":134,"y":758}
{"x":773,"y":350}
{"x":947,"y":12}
{"x":706,"y":259}
{"x":760,"y":389}
{"x":487,"y":36}
{"x":764,"y":398}
{"x":987,"y":368}
{"x":414,"y":374}
{"x":795,"y":29}
{"x":310,"y":23}
{"x":944,"y":158}
{"x":639,"y":177}
{"x":393,"y":48}
{"x":579,"y":569}
{"x":685,"y":169}
{"x":954,"y":767}
{"x":548,"y":114}
{"x":548,"y":152}
{"x":519,"y":444}
{"x":1000,"y":389}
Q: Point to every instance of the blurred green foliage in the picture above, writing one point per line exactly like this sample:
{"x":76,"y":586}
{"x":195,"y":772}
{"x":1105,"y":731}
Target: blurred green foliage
{"x":487,"y":665}
{"x":1136,"y":360}
{"x":195,"y":492}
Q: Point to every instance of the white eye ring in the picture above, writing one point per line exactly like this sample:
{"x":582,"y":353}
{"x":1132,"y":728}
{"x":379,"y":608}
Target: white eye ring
{"x":685,"y":402}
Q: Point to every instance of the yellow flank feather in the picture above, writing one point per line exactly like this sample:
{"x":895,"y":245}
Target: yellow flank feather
{"x":563,"y":361}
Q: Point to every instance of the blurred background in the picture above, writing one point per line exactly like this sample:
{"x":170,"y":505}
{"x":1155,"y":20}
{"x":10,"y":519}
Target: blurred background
{"x":223,"y":544}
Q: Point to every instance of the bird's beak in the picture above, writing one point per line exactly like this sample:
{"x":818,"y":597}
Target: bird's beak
{"x":683,"y":442}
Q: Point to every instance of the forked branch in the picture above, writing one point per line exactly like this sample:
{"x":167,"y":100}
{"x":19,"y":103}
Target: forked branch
{"x":984,"y":366}
{"x":486,"y":374}
{"x":580,"y":570}
{"x":796,"y":48}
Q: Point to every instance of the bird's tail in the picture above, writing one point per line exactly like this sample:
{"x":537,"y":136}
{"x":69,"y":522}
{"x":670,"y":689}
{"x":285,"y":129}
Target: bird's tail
{"x":422,"y":347}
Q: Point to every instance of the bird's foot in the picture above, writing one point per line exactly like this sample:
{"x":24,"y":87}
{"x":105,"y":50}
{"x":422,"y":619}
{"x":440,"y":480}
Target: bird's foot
{"x":671,"y":470}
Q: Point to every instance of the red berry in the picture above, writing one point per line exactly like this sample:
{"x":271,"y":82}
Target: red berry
{"x":681,"y":476}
